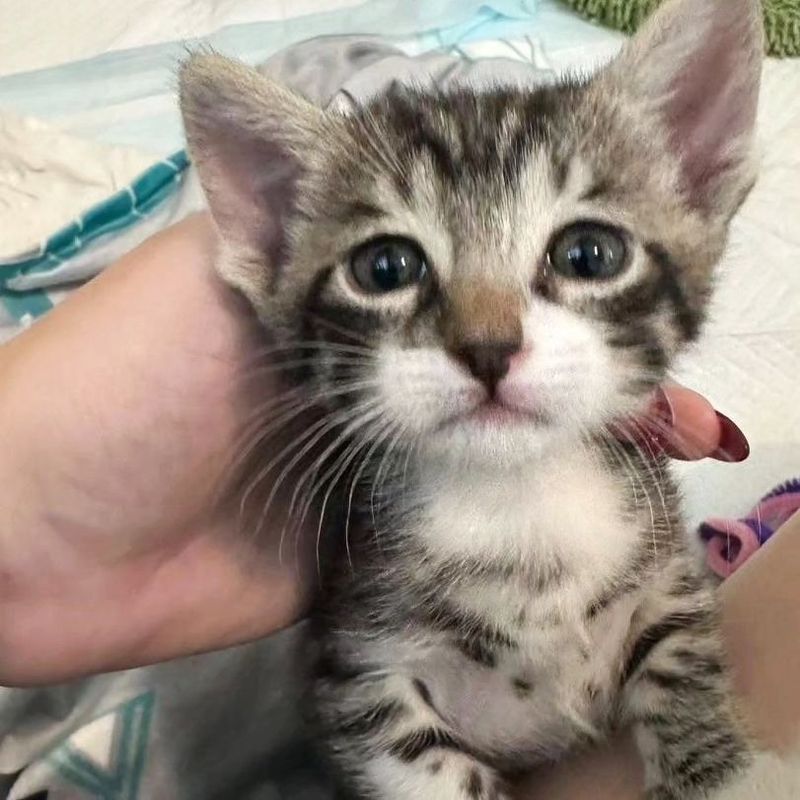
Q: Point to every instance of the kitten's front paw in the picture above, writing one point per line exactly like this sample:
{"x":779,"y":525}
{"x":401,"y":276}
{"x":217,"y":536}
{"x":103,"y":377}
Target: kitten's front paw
{"x":441,"y":776}
{"x":472,"y":781}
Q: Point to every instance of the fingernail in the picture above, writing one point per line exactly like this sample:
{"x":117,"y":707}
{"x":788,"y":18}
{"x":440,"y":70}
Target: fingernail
{"x":733,"y":446}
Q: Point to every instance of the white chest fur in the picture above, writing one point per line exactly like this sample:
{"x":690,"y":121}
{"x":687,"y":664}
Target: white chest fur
{"x":557,"y":681}
{"x":565,"y":508}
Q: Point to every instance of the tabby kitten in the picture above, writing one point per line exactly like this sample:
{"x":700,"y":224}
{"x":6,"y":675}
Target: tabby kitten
{"x":480,"y":286}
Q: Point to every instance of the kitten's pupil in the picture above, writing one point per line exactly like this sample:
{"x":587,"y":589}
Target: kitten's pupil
{"x":588,"y":251}
{"x":388,"y":269}
{"x":586,"y":257}
{"x":387,"y":264}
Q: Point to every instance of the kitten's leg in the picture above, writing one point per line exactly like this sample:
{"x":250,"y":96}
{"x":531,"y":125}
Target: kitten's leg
{"x":385,"y":735}
{"x":678,"y":697}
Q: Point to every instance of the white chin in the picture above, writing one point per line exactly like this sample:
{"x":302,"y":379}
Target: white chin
{"x":506,"y":443}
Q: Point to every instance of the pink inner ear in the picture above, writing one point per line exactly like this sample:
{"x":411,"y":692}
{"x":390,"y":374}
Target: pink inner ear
{"x":712,"y":106}
{"x":255,"y":189}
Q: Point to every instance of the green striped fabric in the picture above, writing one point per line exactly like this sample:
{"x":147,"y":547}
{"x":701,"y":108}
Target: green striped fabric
{"x":781,"y":19}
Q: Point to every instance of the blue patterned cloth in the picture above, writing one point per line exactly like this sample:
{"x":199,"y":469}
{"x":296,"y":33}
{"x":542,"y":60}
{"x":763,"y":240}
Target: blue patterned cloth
{"x":120,"y":211}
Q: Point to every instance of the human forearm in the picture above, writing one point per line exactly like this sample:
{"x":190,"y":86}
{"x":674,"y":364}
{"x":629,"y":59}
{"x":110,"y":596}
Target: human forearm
{"x":117,"y":415}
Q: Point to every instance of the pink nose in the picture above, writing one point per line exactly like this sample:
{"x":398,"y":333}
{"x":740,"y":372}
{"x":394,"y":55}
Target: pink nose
{"x":488,"y":362}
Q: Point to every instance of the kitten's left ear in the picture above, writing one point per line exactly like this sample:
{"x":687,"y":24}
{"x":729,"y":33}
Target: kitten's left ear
{"x":251,"y":141}
{"x":697,"y":64}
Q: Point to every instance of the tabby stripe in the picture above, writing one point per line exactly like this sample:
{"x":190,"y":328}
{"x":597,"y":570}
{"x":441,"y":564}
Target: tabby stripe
{"x":437,"y":148}
{"x":678,"y":729}
{"x":423,"y":136}
{"x":372,"y":719}
{"x":715,"y":749}
{"x":476,"y":639}
{"x":636,"y":570}
{"x":640,"y":336}
{"x":473,"y":784}
{"x":655,"y":634}
{"x":515,"y":154}
{"x":479,"y":651}
{"x":686,"y":585}
{"x":674,"y":681}
{"x":697,"y":663}
{"x":609,"y":597}
{"x":686,"y":317}
{"x":354,"y":211}
{"x":410,"y":747}
{"x":467,"y":624}
{"x":346,"y":322}
{"x":707,"y":767}
{"x":423,"y":692}
{"x":597,"y":189}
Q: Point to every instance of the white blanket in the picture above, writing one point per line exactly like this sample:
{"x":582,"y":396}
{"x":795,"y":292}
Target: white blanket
{"x":34,"y":37}
{"x":47,"y":178}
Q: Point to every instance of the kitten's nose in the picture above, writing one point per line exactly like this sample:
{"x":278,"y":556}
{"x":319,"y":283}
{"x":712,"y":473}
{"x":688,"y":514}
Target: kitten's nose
{"x":488,"y":362}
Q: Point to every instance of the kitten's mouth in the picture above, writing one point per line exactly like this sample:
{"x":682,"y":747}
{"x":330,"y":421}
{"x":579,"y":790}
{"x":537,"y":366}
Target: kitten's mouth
{"x":494,"y":414}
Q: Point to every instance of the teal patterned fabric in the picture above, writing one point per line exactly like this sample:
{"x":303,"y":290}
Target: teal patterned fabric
{"x":118,"y":212}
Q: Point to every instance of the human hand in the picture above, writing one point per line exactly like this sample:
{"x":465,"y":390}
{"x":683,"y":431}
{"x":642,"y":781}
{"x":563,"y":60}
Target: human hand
{"x":118,"y":416}
{"x":687,"y":427}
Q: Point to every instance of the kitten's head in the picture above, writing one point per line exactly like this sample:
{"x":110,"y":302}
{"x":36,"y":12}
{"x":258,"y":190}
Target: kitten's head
{"x":483,"y":273}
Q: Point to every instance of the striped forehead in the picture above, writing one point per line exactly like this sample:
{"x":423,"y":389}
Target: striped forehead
{"x":483,"y":171}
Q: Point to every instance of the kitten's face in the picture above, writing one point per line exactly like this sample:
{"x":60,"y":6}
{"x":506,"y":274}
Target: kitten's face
{"x":485,"y":274}
{"x":500,"y":270}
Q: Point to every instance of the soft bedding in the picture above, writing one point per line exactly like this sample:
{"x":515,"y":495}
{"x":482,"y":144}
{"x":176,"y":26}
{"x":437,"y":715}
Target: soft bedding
{"x":104,"y":128}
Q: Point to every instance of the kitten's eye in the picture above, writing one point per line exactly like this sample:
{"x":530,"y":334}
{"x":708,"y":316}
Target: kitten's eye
{"x":588,"y":250}
{"x":387,"y":264}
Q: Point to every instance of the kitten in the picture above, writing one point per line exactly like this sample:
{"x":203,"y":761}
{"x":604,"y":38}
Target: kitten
{"x":479,"y":285}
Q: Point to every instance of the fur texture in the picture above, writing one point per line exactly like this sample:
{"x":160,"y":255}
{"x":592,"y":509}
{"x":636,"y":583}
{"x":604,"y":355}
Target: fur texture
{"x":473,"y":290}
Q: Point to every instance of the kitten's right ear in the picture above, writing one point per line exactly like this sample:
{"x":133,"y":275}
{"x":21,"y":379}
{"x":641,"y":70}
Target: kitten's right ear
{"x":249,"y":138}
{"x":696,"y":64}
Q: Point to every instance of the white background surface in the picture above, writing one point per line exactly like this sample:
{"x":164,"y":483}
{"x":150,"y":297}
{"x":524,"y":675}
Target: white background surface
{"x":43,"y":33}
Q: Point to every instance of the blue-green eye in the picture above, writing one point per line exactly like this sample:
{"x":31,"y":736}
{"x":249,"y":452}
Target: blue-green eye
{"x":387,"y":264}
{"x":588,"y":251}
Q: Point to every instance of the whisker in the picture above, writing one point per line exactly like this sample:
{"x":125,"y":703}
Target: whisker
{"x":309,"y":433}
{"x":380,"y":438}
{"x":657,"y":480}
{"x":366,"y":414}
{"x":341,"y":330}
{"x":261,"y":435}
{"x":340,"y":468}
{"x":345,"y":359}
{"x":319,"y":431}
{"x":635,"y":473}
{"x":396,"y":432}
{"x":353,"y":485}
{"x":294,"y":345}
